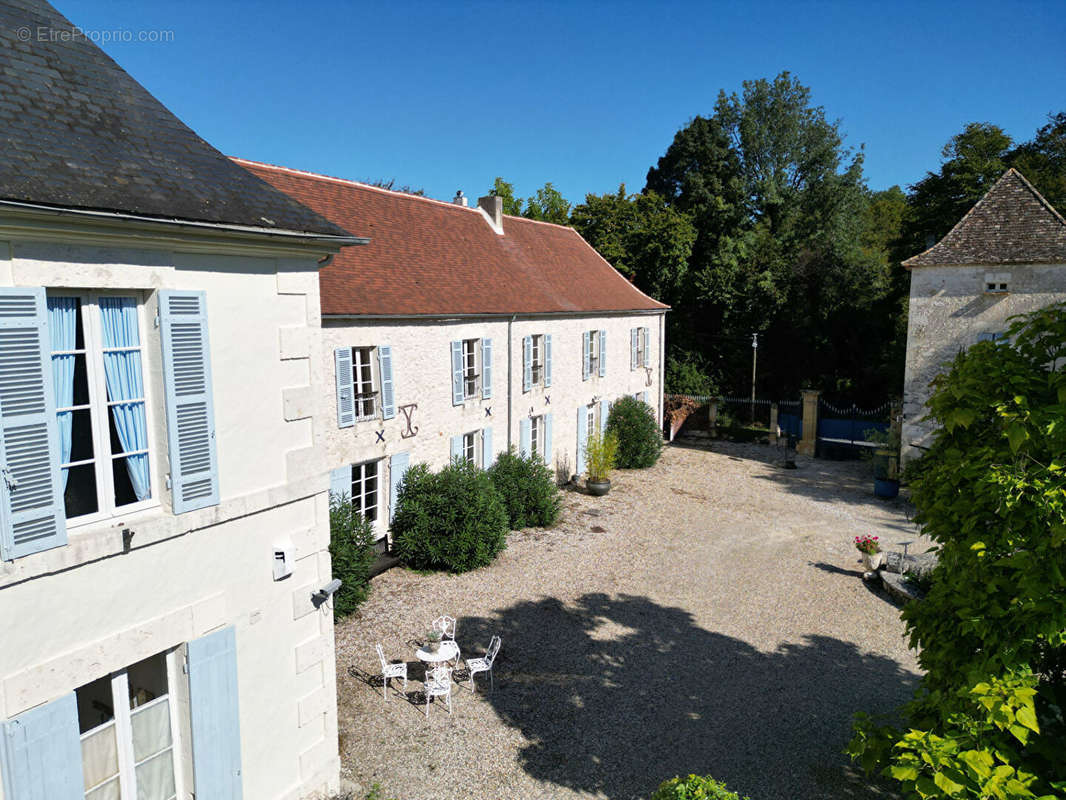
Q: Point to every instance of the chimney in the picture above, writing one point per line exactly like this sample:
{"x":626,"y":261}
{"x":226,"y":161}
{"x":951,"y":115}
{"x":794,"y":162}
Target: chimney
{"x":493,"y":206}
{"x":459,"y":199}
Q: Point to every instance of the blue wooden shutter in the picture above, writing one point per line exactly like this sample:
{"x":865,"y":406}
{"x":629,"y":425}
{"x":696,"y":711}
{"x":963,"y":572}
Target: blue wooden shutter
{"x":585,"y":366}
{"x":525,"y":437}
{"x":342,"y":357}
{"x":527,"y":363}
{"x":215,"y":715}
{"x":190,"y":409}
{"x":388,"y":396}
{"x":398,"y":465}
{"x":486,"y":368}
{"x":605,"y":410}
{"x":547,"y":359}
{"x":457,"y":447}
{"x":488,"y":456}
{"x":633,"y":334}
{"x":32,"y":517}
{"x":457,"y":373}
{"x":582,"y":436}
{"x":548,"y":439}
{"x":40,"y":753}
{"x":603,"y":353}
{"x":340,"y":482}
{"x":647,"y":347}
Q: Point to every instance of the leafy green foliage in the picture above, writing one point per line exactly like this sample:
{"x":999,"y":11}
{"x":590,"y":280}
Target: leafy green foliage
{"x":511,"y":204}
{"x":601,"y":455}
{"x":694,"y":787}
{"x":642,"y":236}
{"x":640,"y":441}
{"x":451,"y":520}
{"x":351,"y":551}
{"x":688,"y":373}
{"x":527,"y":488}
{"x":548,"y":205}
{"x":991,"y":492}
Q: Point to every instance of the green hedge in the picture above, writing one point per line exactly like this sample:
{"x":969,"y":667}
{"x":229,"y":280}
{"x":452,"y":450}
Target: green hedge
{"x":694,"y":787}
{"x":351,"y":549}
{"x":527,"y":488}
{"x":639,"y":439}
{"x":451,"y":520}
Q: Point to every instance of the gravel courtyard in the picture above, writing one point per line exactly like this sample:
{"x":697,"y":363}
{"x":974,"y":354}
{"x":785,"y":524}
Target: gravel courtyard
{"x":706,"y":616}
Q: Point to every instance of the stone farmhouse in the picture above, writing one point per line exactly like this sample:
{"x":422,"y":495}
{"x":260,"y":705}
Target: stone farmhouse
{"x":163,"y":487}
{"x":462,"y":332}
{"x":1007,"y":256}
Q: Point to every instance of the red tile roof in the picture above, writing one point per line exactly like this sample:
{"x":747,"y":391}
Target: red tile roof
{"x":428,"y":257}
{"x":1011,"y":224}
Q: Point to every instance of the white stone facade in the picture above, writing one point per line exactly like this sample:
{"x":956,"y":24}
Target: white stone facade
{"x":422,"y":375}
{"x":950,"y":309}
{"x":134,"y":585}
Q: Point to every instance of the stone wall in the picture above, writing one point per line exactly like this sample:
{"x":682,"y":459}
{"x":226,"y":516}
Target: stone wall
{"x":948,"y":310}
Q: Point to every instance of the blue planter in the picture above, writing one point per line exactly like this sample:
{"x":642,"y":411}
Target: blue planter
{"x":886,"y":488}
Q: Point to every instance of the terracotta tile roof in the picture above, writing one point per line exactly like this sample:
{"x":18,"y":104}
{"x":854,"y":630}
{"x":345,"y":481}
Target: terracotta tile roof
{"x":428,"y":257}
{"x":1011,"y":224}
{"x":77,"y":132}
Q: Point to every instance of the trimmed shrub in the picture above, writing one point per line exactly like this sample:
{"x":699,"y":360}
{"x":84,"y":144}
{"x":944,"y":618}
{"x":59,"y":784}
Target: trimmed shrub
{"x":527,"y":488}
{"x":639,"y":439}
{"x":351,"y":549}
{"x":450,"y":520}
{"x":694,"y":787}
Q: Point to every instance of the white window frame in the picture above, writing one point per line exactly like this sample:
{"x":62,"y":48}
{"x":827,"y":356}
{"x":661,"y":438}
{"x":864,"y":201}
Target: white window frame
{"x":92,"y":337}
{"x":472,"y":447}
{"x":471,"y":368}
{"x":642,"y":347}
{"x":594,"y":353}
{"x":592,"y":418}
{"x":122,"y":722}
{"x":365,"y":392}
{"x":359,"y":476}
{"x":536,"y":435}
{"x":536,"y":358}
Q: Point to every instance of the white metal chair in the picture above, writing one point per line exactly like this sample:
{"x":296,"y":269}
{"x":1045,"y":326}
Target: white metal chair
{"x":475,"y":665}
{"x":390,"y":670}
{"x":446,"y":626}
{"x":439,"y":684}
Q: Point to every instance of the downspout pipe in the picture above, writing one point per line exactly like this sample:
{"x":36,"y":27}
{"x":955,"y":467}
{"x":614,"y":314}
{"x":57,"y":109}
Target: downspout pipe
{"x":510,"y":359}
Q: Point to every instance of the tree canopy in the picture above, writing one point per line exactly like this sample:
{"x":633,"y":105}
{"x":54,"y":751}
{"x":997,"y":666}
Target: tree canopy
{"x":548,"y":205}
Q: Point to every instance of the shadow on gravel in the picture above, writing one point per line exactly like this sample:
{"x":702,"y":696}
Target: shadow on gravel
{"x":620,"y":693}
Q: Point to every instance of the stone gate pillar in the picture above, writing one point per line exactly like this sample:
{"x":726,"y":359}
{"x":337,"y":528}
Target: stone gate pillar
{"x":773,"y":423}
{"x":712,"y":417}
{"x":810,"y":422}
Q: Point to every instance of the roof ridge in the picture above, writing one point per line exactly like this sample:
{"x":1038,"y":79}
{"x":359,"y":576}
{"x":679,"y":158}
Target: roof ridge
{"x":349,"y":182}
{"x":1036,"y":193}
{"x":542,"y":222}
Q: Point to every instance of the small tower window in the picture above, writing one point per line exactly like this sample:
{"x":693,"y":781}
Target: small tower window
{"x":997,"y":282}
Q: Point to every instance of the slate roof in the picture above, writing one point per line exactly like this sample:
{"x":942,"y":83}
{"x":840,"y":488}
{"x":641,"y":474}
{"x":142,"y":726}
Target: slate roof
{"x":1011,"y":224}
{"x":428,"y":257}
{"x":76,"y":131}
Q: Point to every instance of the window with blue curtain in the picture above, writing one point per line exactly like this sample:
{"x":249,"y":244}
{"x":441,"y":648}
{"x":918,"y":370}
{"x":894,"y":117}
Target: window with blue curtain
{"x":63,"y":326}
{"x":125,"y":394}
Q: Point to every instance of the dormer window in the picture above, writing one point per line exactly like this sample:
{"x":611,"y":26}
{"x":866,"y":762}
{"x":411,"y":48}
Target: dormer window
{"x":997,"y":282}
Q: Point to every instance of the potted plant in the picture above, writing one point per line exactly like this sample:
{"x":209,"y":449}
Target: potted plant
{"x":870,"y":548}
{"x":600,"y":454}
{"x":433,"y":639}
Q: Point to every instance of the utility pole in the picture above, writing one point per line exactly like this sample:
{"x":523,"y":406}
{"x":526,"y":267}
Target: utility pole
{"x":754,"y":353}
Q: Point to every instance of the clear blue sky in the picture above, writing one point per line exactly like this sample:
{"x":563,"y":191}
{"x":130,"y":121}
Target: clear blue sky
{"x":447,"y":95}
